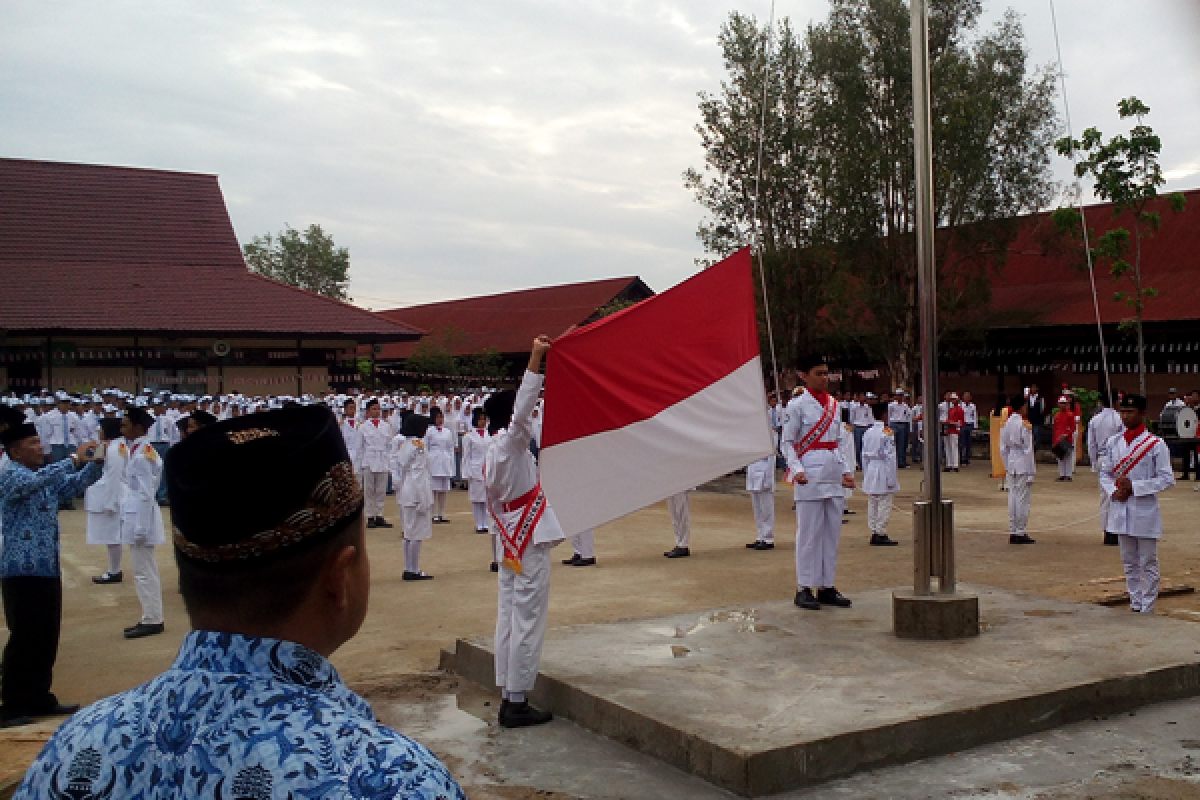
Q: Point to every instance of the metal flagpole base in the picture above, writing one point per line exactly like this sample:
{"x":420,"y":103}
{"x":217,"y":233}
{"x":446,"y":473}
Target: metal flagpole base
{"x":921,"y":613}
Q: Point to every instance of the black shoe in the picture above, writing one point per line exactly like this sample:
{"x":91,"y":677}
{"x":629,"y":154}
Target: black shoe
{"x":573,"y":560}
{"x":495,"y":567}
{"x":1022,"y":538}
{"x":765,"y":546}
{"x":143,"y":629}
{"x":848,"y":511}
{"x":832,"y":597}
{"x":845,"y":521}
{"x":380,"y":522}
{"x":1110,"y":539}
{"x":108,"y":577}
{"x":882,"y":540}
{"x":522,"y":715}
{"x":1069,"y":479}
{"x":805,"y":599}
{"x":371,"y":523}
{"x":678,"y":552}
{"x":584,"y":562}
{"x":415,"y":576}
{"x":14,"y":721}
{"x":482,"y":530}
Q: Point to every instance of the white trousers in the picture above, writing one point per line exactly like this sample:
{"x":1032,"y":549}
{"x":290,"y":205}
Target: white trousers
{"x":951,"y":448}
{"x":521,"y":620}
{"x":497,"y":548}
{"x":412,"y":555}
{"x":1020,"y":497}
{"x":681,"y":518}
{"x":147,"y":583}
{"x":584,"y":544}
{"x":439,"y":504}
{"x":114,"y":558}
{"x":374,"y":492}
{"x":1105,"y":502}
{"x":481,"y":516}
{"x":879,"y":511}
{"x":1140,"y":558}
{"x":1066,"y":466}
{"x":818,"y":532}
{"x":764,"y":514}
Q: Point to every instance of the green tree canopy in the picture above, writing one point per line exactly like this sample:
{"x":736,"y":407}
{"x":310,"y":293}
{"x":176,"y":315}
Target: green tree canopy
{"x":307,"y":259}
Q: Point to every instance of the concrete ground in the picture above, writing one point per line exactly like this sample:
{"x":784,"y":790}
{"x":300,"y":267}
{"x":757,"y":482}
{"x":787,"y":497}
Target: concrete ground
{"x":409,"y":623}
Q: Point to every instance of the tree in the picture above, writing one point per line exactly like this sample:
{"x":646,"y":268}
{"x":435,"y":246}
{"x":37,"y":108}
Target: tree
{"x":838,"y":208}
{"x":1126,"y":172}
{"x":309,"y":260}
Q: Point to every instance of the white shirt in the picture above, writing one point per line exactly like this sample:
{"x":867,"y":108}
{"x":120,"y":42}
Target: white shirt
{"x":141,"y":518}
{"x":862,"y":416}
{"x":760,"y":475}
{"x":375,"y":439}
{"x":879,"y":460}
{"x":353,"y":439}
{"x":1101,"y":428}
{"x":823,"y":468}
{"x":1016,"y":446}
{"x":899,"y":411}
{"x":970,"y":414}
{"x":1139,"y":515}
{"x":440,"y":444}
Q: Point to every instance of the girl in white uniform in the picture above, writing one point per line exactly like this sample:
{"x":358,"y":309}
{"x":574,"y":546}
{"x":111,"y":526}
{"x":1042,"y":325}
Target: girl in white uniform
{"x":440,"y":446}
{"x":880,"y":480}
{"x":415,"y":495}
{"x":102,"y":500}
{"x":474,"y":452}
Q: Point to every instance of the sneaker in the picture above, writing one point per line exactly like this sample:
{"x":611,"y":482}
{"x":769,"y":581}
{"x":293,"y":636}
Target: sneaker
{"x":805,"y":599}
{"x":830,"y":596}
{"x":108,"y":577}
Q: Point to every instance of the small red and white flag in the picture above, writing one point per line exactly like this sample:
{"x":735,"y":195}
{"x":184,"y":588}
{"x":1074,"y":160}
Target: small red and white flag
{"x":655,"y":399}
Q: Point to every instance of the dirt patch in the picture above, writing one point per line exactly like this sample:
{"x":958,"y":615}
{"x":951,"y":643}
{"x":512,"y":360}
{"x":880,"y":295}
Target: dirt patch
{"x":1150,"y":787}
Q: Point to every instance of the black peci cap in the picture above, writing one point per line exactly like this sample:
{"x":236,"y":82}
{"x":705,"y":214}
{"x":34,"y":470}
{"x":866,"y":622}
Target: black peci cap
{"x":251,"y":487}
{"x":1135,"y":401}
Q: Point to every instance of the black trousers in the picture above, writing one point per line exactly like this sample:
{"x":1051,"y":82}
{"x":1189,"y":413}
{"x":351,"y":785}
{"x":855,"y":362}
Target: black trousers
{"x":33,"y":610}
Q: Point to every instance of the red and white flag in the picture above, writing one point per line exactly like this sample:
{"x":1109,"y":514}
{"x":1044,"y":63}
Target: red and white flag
{"x":655,"y":399}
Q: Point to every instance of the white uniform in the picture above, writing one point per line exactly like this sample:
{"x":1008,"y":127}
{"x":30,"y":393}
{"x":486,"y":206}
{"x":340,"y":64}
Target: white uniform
{"x":524,"y":597}
{"x":1016,"y":451}
{"x":846,"y":448}
{"x":474,"y":454}
{"x":102,"y":500}
{"x":584,"y":543}
{"x":440,"y":443}
{"x":1138,"y":521}
{"x":880,"y":481}
{"x":820,"y":501}
{"x":680,"y":507}
{"x":375,"y":439}
{"x":415,"y":498}
{"x":353,"y":439}
{"x":760,"y":483}
{"x":142,"y":526}
{"x":1102,"y":427}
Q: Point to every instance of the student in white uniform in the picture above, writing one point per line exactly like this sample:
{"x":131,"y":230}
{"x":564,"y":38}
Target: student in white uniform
{"x":847,"y":443}
{"x":414,"y":495}
{"x":352,"y":435}
{"x":1104,"y":424}
{"x":141,"y":520}
{"x":375,"y":440}
{"x":102,"y":500}
{"x":811,"y":434}
{"x":680,"y":506}
{"x":474,"y":453}
{"x":1016,"y":451}
{"x":394,"y":454}
{"x":880,"y":481}
{"x":760,"y":483}
{"x":584,"y":547}
{"x":529,"y":529}
{"x":1135,"y":468}
{"x":440,"y":445}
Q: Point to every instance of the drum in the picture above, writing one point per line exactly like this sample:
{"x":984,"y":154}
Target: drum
{"x":1178,"y":423}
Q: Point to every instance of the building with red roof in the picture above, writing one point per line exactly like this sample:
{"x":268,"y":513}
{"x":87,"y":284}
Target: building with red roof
{"x":504,"y":323}
{"x":115,"y":276}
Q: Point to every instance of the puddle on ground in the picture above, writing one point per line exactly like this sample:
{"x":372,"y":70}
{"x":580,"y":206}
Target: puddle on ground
{"x":1045,"y":612}
{"x":439,"y":717}
{"x":742,"y":621}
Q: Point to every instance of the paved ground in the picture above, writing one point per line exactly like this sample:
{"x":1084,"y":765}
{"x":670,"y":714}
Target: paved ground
{"x":409,"y":623}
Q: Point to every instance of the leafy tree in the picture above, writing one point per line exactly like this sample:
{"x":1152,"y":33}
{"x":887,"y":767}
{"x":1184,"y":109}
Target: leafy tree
{"x":838,"y":193}
{"x":307,"y":259}
{"x":1126,"y":172}
{"x":487,"y":364}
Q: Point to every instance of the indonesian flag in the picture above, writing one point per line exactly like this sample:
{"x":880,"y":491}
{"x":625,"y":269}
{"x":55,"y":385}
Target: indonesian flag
{"x":655,"y":399}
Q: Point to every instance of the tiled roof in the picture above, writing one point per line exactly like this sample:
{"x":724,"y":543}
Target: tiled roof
{"x":1042,"y":282}
{"x":103,"y":249}
{"x":508,"y":322}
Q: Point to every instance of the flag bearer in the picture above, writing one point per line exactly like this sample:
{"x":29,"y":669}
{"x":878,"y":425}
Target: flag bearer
{"x":529,"y":528}
{"x":415,"y":495}
{"x":880,"y":480}
{"x":1135,"y":469}
{"x":810,"y":443}
{"x":474,"y":453}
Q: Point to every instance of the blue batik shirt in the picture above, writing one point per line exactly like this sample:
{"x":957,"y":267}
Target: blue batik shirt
{"x":29,"y":510}
{"x":236,"y":718}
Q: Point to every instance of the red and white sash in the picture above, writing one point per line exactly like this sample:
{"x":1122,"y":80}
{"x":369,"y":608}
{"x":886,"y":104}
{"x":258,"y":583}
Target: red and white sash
{"x":516,"y":540}
{"x":1139,"y":451}
{"x":816,"y":433}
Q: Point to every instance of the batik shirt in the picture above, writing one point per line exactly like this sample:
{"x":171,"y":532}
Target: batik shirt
{"x":236,"y":718}
{"x":29,"y":507}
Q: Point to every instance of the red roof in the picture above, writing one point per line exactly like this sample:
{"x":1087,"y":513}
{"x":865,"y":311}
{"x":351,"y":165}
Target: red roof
{"x":508,"y":322}
{"x":1042,"y":282}
{"x":87,"y":248}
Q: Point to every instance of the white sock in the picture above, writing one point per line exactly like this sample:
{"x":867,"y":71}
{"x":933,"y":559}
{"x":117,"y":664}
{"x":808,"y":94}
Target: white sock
{"x":114,"y":559}
{"x":516,"y":697}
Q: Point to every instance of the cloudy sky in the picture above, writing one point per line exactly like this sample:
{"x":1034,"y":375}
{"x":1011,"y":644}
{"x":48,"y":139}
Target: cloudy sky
{"x":473,"y":147}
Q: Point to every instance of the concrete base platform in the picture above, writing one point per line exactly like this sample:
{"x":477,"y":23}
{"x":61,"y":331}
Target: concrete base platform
{"x":771,"y":698}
